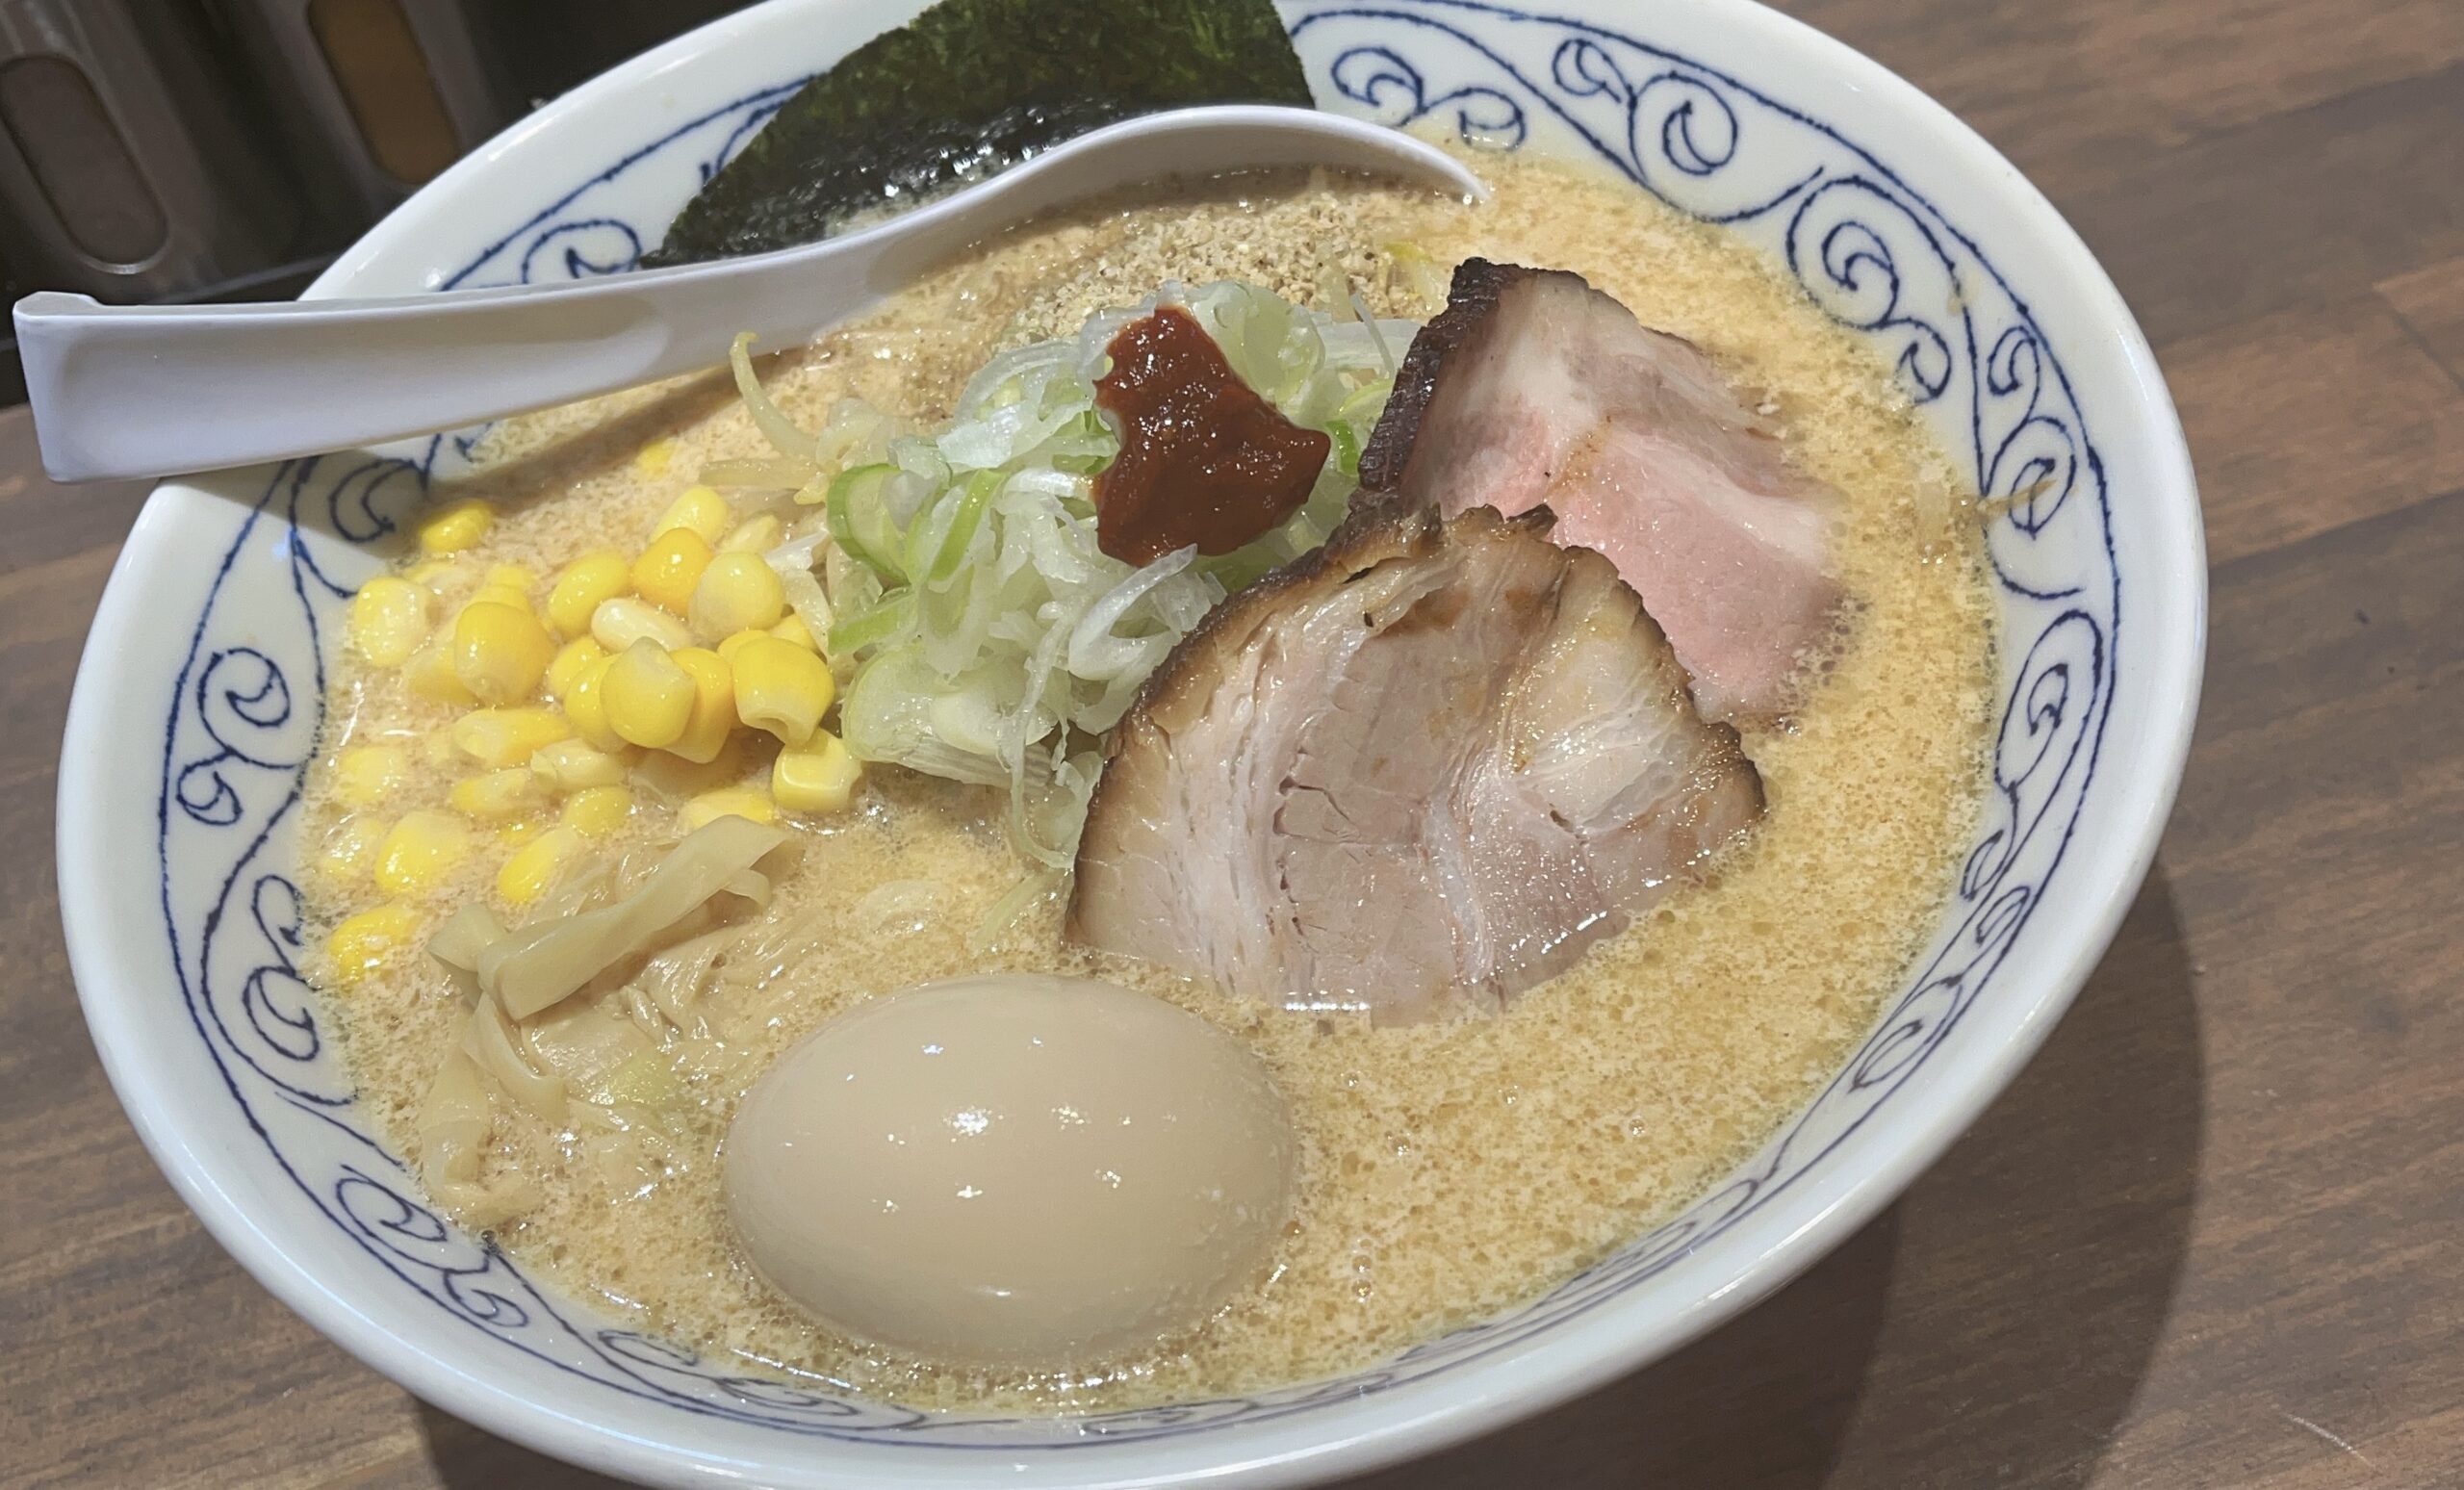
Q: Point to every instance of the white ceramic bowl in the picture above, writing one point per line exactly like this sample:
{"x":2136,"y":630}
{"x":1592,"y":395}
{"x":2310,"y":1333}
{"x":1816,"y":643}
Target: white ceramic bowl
{"x":199,"y":700}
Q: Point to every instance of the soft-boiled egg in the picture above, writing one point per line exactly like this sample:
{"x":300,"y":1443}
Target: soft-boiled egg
{"x":1013,"y":1169}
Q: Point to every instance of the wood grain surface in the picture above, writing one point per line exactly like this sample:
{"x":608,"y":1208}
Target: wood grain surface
{"x":2214,"y":1236}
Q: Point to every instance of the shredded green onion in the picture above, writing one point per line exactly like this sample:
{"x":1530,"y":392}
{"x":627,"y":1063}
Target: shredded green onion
{"x":989,"y":637}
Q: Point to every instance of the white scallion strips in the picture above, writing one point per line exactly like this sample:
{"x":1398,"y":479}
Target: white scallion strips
{"x":993,"y":641}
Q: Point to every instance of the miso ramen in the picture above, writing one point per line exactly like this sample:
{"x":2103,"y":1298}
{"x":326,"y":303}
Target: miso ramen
{"x":1527,"y":963}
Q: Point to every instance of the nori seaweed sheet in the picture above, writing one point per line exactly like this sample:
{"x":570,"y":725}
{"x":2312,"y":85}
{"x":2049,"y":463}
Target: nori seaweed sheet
{"x":970,"y":87}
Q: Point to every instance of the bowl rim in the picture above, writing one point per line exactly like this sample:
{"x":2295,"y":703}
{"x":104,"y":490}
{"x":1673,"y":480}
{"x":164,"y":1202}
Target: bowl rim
{"x":1570,"y":1358}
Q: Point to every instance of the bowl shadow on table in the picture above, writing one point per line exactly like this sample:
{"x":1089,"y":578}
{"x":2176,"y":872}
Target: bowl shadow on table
{"x":1992,"y":1325}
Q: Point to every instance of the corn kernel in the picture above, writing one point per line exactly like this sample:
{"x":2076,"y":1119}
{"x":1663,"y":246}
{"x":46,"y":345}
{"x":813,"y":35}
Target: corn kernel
{"x":365,"y":942}
{"x":791,"y":629}
{"x":583,"y":586}
{"x":713,"y":718}
{"x":728,"y":649}
{"x":518,"y":832}
{"x":598,"y":811}
{"x":388,"y":620}
{"x":457,"y":526}
{"x":502,"y":737}
{"x":534,"y":868}
{"x":568,"y":663}
{"x":587,"y":705}
{"x":652,"y":459}
{"x":757,"y":534}
{"x":737,"y":592}
{"x":701,"y":511}
{"x":672,"y":778}
{"x":818,"y":776}
{"x":504,"y":595}
{"x":507,"y":793}
{"x":366,"y":774}
{"x":499,"y":652}
{"x":431,"y":674}
{"x":728,"y":802}
{"x":349,"y":850}
{"x":782,"y":688}
{"x":576,"y":765}
{"x":619,"y":623}
{"x":439,"y":576}
{"x":669,"y":569}
{"x":421,"y":850}
{"x":506,"y":585}
{"x":649,"y":698}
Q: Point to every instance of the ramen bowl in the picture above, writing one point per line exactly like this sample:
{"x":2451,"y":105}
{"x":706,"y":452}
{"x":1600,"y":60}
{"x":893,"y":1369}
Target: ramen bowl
{"x":200,"y":696}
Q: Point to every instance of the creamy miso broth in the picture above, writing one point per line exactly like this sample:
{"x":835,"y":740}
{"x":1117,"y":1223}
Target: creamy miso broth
{"x":1445,"y":1170}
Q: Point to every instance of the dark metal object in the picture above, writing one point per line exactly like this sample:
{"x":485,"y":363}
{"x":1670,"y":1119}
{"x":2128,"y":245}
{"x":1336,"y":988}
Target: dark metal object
{"x":374,"y":97}
{"x":126,"y":170}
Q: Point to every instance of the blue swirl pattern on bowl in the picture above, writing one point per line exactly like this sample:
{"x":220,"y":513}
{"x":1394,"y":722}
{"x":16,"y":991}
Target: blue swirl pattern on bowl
{"x":1872,"y":253}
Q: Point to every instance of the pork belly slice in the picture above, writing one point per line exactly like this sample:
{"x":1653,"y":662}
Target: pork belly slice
{"x":1417,"y":771}
{"x":1531,"y":388}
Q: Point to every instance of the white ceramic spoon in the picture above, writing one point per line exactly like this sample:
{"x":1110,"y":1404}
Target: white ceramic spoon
{"x":145,"y":391}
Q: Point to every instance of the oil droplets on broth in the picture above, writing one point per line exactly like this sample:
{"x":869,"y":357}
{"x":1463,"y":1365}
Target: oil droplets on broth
{"x":1440,"y":1173}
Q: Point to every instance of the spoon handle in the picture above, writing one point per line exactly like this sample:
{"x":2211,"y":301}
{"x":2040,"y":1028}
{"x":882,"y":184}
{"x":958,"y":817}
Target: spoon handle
{"x":147,"y":391}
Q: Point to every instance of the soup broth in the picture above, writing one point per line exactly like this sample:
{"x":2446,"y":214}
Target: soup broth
{"x":1447,"y":1171}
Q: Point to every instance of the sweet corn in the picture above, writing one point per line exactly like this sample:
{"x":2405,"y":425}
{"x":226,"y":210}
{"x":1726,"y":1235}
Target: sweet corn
{"x":457,"y":526}
{"x":755,"y":534}
{"x":496,"y":794}
{"x":818,"y":776}
{"x":518,"y":832}
{"x":349,"y":850}
{"x":669,"y":569}
{"x":649,"y":697}
{"x":587,"y":705}
{"x":782,"y":688}
{"x":728,"y":649}
{"x":713,"y":718}
{"x":791,"y":629}
{"x":504,"y":595}
{"x":431,"y":674}
{"x":619,"y":623}
{"x":388,"y":620}
{"x":502,"y":737}
{"x":366,"y":774}
{"x":598,"y":811}
{"x":701,"y":511}
{"x":672,"y":778}
{"x":652,"y":459}
{"x":737,"y":592}
{"x":506,"y":585}
{"x":578,"y":765}
{"x":499,"y":652}
{"x":569,"y":662}
{"x":439,"y":576}
{"x":421,"y":851}
{"x":365,"y":942}
{"x":583,"y":586}
{"x":728,"y":802}
{"x":533,"y":869}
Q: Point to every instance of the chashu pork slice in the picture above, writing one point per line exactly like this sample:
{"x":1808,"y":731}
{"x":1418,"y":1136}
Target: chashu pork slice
{"x":1417,"y":771}
{"x":1531,"y":387}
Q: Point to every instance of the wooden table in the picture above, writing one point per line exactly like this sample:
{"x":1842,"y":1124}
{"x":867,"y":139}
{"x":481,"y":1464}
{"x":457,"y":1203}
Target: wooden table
{"x":2215,"y":1236}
